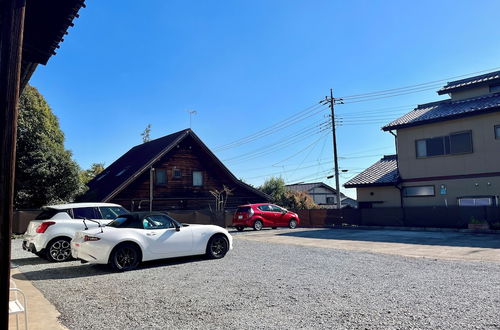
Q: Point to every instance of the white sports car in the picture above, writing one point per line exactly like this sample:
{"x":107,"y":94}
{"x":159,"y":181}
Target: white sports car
{"x":142,"y":236}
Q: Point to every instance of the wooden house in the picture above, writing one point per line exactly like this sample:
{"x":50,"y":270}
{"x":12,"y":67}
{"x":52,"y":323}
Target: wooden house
{"x":176,"y":171}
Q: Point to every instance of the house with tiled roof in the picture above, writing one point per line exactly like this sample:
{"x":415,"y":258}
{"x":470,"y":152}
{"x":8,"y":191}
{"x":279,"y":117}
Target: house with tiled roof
{"x":448,"y":152}
{"x":323,"y":194}
{"x":176,"y":171}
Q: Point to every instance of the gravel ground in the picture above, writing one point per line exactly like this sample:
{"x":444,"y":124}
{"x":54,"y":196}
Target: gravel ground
{"x":264,"y":285}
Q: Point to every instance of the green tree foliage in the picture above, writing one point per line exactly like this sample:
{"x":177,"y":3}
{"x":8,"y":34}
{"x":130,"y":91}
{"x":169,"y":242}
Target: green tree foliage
{"x":92,"y":172}
{"x":276,"y":188}
{"x":45,"y":170}
{"x":280,"y":195}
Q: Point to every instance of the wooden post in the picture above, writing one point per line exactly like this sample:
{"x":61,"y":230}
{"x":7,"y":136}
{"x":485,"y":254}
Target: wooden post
{"x":11,"y":36}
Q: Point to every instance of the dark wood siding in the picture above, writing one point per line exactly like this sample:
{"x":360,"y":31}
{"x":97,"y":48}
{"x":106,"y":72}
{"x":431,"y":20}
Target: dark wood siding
{"x":179,"y":193}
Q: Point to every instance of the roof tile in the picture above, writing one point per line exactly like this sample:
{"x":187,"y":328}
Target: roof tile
{"x":445,"y":110}
{"x":382,"y":173}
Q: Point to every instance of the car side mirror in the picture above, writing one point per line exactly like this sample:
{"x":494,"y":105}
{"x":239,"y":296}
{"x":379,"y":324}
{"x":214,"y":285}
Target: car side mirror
{"x":177,"y":228}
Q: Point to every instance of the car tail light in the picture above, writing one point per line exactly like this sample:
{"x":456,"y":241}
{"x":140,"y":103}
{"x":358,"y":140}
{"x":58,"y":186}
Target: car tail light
{"x":43,"y":227}
{"x":88,"y":238}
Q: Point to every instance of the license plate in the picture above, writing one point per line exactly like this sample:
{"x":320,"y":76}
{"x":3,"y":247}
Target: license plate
{"x":240,"y":217}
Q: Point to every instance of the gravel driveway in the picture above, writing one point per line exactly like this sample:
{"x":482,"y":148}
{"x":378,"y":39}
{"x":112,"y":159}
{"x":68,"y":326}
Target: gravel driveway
{"x":265,"y":285}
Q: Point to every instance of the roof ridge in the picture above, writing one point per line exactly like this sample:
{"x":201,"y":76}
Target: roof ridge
{"x":454,"y":82}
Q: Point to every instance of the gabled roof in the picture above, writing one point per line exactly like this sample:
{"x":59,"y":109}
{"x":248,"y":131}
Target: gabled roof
{"x":446,"y":110}
{"x":477,"y":81}
{"x":310,"y":186}
{"x":139,"y":159}
{"x":382,"y":173}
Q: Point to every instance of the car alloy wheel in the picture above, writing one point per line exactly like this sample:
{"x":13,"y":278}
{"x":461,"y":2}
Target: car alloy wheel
{"x":257,"y":225}
{"x":217,"y":247}
{"x":125,"y":257}
{"x":292,"y":224}
{"x":59,"y":250}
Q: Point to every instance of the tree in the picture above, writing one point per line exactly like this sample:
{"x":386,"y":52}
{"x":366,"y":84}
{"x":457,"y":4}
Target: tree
{"x":45,"y":170}
{"x":281,"y":195}
{"x":276,"y":189}
{"x":145,"y":134}
{"x":299,"y":200}
{"x":94,"y":170}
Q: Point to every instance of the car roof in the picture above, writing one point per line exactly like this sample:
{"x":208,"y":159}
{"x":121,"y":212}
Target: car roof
{"x":79,"y":205}
{"x":256,"y":204}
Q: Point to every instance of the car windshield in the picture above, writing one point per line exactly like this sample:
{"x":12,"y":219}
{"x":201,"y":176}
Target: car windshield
{"x":118,"y":222}
{"x":111,"y":212}
{"x":49,"y":213}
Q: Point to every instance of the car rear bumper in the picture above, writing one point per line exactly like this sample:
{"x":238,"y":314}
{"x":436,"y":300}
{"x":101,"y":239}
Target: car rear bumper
{"x":242,"y":222}
{"x":34,"y":243}
{"x":93,"y":252}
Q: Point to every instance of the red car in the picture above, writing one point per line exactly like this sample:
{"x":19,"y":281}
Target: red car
{"x":258,"y":216}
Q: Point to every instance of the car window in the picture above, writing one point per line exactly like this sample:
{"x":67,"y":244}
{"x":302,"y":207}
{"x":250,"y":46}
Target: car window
{"x":126,"y":222}
{"x":50,"y":213}
{"x":111,"y":212}
{"x":275,"y":208}
{"x":85,"y":212}
{"x":265,"y":208}
{"x":157,"y":222}
{"x":244,"y":209}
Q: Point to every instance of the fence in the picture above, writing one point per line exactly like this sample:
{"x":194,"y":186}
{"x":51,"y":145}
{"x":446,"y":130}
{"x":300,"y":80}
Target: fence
{"x":436,"y":217}
{"x":22,"y":218}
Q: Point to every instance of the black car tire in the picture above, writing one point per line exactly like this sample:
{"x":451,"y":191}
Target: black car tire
{"x":125,"y":257}
{"x":274,"y":227}
{"x":240,"y":228}
{"x":217,"y":247}
{"x":292,"y":224}
{"x":257,"y":225}
{"x":58,"y":250}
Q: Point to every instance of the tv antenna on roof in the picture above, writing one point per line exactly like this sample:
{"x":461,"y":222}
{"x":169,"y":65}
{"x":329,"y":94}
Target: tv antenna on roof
{"x":191,"y":113}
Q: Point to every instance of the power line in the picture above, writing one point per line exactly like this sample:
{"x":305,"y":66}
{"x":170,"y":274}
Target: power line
{"x":369,"y":94}
{"x":286,"y":141}
{"x":298,"y":152}
{"x":297,"y":117}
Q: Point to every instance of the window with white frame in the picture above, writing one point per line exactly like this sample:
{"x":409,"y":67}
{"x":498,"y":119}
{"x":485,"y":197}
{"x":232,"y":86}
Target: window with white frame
{"x":475,"y":201}
{"x":197,"y":178}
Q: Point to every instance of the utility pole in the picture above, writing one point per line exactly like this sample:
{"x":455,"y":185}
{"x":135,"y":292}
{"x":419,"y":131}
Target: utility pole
{"x":332,"y":102}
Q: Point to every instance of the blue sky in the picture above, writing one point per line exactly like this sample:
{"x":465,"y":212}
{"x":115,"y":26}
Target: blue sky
{"x":248,"y":66}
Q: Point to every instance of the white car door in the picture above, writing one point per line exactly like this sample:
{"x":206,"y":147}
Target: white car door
{"x":163,"y":238}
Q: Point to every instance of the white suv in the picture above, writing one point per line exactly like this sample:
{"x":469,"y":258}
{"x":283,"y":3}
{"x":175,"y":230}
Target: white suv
{"x":50,"y":234}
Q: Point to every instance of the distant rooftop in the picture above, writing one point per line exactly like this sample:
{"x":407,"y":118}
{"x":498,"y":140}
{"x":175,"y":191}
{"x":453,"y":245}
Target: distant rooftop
{"x":446,"y":110}
{"x":309,"y":186}
{"x":382,"y":173}
{"x":477,"y":81}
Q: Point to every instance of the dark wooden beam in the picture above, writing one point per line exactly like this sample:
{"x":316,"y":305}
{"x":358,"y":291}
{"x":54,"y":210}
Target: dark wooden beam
{"x":11,"y":40}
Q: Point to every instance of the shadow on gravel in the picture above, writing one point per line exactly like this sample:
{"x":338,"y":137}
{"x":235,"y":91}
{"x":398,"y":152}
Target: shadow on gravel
{"x":405,"y":237}
{"x":88,"y":270}
{"x":29,"y":261}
